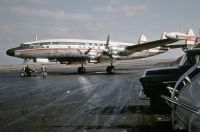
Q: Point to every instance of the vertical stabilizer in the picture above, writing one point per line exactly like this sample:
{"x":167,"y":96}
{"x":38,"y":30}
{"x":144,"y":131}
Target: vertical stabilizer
{"x":163,"y":36}
{"x":142,"y":39}
{"x":191,"y":38}
{"x":36,"y":37}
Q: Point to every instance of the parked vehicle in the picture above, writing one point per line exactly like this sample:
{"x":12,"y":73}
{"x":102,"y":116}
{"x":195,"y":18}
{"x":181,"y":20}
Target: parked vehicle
{"x":157,"y":82}
{"x":185,"y":100}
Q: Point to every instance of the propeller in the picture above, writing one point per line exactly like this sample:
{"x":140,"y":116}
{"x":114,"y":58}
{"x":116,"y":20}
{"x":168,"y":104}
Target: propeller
{"x":107,"y":50}
{"x":84,"y":53}
{"x":110,"y":51}
{"x":107,"y":42}
{"x":89,"y":55}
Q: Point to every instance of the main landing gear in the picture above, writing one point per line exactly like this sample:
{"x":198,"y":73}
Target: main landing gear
{"x":81,"y":70}
{"x":110,"y":69}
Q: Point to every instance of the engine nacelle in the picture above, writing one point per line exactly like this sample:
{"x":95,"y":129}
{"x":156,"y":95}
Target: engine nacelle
{"x":176,"y":36}
{"x":93,"y":57}
{"x":116,"y":51}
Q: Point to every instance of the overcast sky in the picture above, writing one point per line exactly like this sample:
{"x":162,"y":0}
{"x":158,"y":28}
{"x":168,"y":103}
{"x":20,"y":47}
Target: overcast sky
{"x":123,"y":20}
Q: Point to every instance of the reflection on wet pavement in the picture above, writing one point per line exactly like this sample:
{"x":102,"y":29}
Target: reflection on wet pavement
{"x":92,"y":102}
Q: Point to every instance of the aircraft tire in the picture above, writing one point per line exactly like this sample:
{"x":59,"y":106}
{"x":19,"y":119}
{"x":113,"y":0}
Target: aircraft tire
{"x":81,"y":70}
{"x":110,"y":69}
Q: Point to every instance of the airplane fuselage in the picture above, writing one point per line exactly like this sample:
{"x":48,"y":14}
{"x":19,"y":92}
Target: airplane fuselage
{"x":71,"y":50}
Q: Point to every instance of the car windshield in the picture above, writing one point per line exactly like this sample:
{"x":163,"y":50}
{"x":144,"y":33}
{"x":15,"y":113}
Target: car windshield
{"x":183,"y":60}
{"x":189,"y":60}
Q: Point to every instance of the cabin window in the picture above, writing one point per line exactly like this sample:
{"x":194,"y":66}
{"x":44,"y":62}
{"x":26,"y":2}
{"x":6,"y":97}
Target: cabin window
{"x":74,"y":43}
{"x":36,"y":44}
{"x":82,"y":43}
{"x":59,"y":43}
{"x":69,"y":43}
{"x":44,"y":43}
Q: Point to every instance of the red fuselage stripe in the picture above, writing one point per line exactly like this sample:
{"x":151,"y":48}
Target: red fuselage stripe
{"x":27,"y":50}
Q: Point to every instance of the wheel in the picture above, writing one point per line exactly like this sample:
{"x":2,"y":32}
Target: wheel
{"x":110,"y":69}
{"x":81,"y":70}
{"x":22,"y":74}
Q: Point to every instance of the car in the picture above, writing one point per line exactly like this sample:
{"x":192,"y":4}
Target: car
{"x":157,"y":82}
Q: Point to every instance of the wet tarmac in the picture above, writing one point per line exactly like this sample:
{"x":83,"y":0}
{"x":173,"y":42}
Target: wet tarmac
{"x":66,"y":101}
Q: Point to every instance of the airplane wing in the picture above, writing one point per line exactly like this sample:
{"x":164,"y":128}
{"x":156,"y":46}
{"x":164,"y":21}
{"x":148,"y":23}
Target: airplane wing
{"x":173,"y":46}
{"x":148,"y":45}
{"x":184,"y":46}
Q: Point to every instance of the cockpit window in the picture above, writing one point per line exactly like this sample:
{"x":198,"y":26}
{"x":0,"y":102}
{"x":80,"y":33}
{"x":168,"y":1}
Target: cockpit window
{"x":24,"y":45}
{"x":183,"y":60}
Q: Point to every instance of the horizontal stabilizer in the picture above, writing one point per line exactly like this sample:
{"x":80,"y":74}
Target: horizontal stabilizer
{"x":163,"y":36}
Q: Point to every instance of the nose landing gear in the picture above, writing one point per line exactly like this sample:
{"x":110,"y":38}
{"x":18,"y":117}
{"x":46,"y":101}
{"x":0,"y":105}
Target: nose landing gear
{"x":81,"y":70}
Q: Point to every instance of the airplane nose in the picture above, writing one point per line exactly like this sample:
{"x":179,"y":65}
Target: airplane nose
{"x":10,"y":52}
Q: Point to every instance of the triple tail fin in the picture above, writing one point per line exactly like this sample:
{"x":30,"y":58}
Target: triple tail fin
{"x":191,"y":39}
{"x":163,"y":36}
{"x":142,"y":39}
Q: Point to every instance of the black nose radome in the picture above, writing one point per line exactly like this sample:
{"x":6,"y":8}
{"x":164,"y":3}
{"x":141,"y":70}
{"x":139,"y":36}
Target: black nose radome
{"x":10,"y":52}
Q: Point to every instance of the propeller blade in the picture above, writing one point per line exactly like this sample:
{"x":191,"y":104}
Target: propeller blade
{"x":86,"y":52}
{"x":81,"y":53}
{"x":107,"y":41}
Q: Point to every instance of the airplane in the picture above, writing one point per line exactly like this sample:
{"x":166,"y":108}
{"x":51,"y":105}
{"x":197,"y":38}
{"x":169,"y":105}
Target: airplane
{"x":70,"y":51}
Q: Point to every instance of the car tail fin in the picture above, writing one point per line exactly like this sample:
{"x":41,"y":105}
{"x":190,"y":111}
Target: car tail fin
{"x":142,"y":39}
